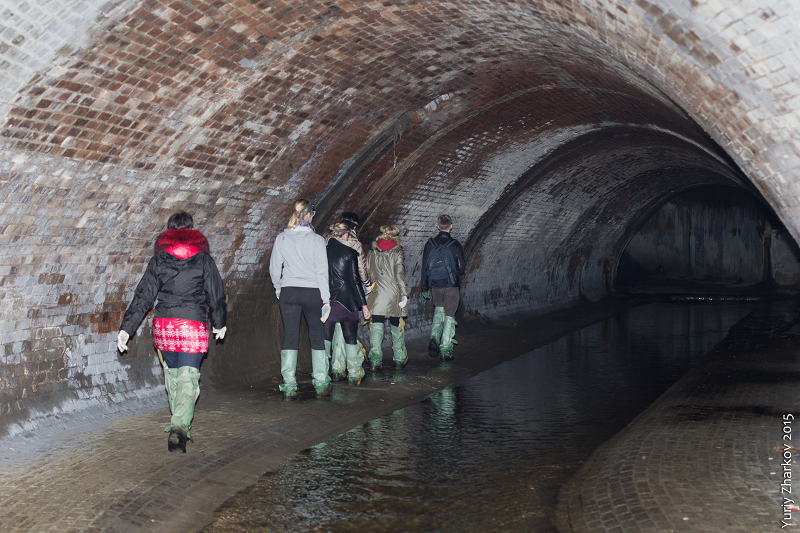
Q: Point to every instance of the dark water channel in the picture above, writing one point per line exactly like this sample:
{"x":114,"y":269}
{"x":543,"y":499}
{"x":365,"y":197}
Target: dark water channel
{"x":489,"y":454}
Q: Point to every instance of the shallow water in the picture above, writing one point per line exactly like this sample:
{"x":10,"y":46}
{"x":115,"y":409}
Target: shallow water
{"x":489,"y":454}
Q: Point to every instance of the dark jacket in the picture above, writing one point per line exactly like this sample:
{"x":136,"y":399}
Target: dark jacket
{"x":343,"y":278}
{"x":458,"y":255}
{"x":184,"y":279}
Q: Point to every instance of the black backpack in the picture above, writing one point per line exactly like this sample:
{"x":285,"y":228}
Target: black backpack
{"x":442,"y":270}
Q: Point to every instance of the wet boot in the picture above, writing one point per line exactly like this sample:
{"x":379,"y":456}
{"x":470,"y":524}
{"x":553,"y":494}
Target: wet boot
{"x":334,"y":376}
{"x":176,"y":442}
{"x":319,"y":373}
{"x":171,"y":383}
{"x":288,"y":368}
{"x":338,"y":358}
{"x":354,"y":361}
{"x":187,"y":389}
{"x":176,"y":437}
{"x":375,"y":341}
{"x":436,"y":331}
{"x":448,"y":332}
{"x":399,"y":347}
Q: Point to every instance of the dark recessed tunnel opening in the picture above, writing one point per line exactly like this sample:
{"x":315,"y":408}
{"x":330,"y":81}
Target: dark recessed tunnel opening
{"x":710,"y":240}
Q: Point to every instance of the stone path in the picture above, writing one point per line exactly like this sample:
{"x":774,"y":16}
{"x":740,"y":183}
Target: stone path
{"x":712,"y":453}
{"x":120,"y":478}
{"x":707,"y":456}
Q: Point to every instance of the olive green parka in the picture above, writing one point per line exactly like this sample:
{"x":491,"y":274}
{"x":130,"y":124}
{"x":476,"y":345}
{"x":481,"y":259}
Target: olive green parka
{"x":387,"y":270}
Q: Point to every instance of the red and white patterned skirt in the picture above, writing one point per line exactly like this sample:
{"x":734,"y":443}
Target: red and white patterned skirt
{"x":180,"y":335}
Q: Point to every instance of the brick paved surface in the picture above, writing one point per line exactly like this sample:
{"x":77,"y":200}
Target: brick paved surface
{"x":710,"y":454}
{"x":119,"y":477}
{"x":705,"y":457}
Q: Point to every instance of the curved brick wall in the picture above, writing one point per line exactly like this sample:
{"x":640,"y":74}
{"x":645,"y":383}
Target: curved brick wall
{"x":548,"y":130}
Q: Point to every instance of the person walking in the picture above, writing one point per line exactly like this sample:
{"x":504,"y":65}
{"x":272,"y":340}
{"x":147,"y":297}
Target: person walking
{"x":388,"y":300}
{"x":443,"y":266}
{"x":335,"y":347}
{"x":298,"y":267}
{"x":184,"y":280}
{"x":347,"y":297}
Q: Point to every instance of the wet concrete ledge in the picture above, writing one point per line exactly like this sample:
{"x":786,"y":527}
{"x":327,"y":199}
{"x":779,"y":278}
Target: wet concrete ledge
{"x":708,"y":455}
{"x":120,"y":478}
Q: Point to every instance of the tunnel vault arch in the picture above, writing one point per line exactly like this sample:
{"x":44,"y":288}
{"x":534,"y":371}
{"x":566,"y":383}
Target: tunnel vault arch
{"x":537,"y":125}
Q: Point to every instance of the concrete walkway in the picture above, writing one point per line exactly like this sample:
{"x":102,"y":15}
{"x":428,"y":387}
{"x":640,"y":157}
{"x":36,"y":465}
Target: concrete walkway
{"x":120,"y":477}
{"x":717,"y":452}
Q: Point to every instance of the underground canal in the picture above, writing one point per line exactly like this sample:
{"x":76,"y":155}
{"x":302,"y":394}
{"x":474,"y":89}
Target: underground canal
{"x":586,"y":151}
{"x":489,"y":453}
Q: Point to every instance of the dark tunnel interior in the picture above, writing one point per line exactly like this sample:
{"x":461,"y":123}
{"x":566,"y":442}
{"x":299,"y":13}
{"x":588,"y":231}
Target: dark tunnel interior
{"x":711,"y":240}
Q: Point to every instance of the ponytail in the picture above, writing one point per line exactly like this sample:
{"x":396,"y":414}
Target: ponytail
{"x":300,"y":208}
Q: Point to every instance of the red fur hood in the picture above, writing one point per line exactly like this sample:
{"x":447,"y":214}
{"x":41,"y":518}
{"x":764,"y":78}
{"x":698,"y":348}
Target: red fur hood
{"x":182,"y":243}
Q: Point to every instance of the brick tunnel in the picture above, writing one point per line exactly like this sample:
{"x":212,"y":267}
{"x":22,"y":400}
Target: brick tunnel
{"x":551,"y":132}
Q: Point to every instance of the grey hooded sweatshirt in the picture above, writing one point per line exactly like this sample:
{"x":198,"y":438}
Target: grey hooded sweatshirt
{"x":299,"y":259}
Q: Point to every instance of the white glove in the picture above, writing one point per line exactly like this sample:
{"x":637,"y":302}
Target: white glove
{"x":403,"y":302}
{"x":326,"y":311}
{"x":122,"y":340}
{"x":278,"y":294}
{"x":219,"y":334}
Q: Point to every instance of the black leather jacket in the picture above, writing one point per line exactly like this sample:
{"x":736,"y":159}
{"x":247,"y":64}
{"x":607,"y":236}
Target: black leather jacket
{"x":343,"y":278}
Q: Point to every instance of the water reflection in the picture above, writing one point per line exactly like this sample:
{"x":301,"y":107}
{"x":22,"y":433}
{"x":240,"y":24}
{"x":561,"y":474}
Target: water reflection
{"x":490,"y":454}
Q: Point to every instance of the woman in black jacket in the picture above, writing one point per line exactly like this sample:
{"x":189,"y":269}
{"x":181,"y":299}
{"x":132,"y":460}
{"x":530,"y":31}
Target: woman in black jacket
{"x":347,"y":298}
{"x":184,"y":279}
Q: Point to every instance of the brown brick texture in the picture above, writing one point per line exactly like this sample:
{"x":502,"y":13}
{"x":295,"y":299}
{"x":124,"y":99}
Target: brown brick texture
{"x":549,"y":130}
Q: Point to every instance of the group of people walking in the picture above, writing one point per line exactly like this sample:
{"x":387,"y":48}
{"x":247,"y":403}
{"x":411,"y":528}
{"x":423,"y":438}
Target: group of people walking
{"x":330,"y":281}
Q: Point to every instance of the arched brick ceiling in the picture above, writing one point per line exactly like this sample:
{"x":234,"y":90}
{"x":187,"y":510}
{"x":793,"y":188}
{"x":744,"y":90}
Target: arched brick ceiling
{"x":553,"y":126}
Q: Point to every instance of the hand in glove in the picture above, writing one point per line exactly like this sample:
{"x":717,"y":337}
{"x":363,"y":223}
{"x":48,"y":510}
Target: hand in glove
{"x":426,"y":295}
{"x":326,"y":311}
{"x":278,"y":294}
{"x":219,"y":334}
{"x":122,"y":341}
{"x":403,"y":302}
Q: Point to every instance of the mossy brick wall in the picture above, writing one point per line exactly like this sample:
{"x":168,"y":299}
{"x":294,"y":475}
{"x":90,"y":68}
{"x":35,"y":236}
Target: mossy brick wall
{"x":549,"y":130}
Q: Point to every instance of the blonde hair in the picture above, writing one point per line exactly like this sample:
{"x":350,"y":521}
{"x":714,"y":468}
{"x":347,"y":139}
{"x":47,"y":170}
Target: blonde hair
{"x":390,"y":232}
{"x":299,"y":209}
{"x":339,"y":229}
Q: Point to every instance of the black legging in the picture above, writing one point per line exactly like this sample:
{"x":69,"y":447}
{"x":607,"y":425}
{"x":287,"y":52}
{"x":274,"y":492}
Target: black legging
{"x":179,"y":359}
{"x":349,"y":330}
{"x":296,"y":300}
{"x":380,"y":319}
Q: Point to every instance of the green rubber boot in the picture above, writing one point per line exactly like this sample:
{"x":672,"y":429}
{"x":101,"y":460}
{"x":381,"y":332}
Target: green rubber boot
{"x":187,"y":389}
{"x":319,"y":373}
{"x":375,"y":341}
{"x":436,"y":331}
{"x":354,"y":361}
{"x":288,"y":368}
{"x":448,"y":332}
{"x":399,"y":347}
{"x":338,"y":357}
{"x":171,"y":383}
